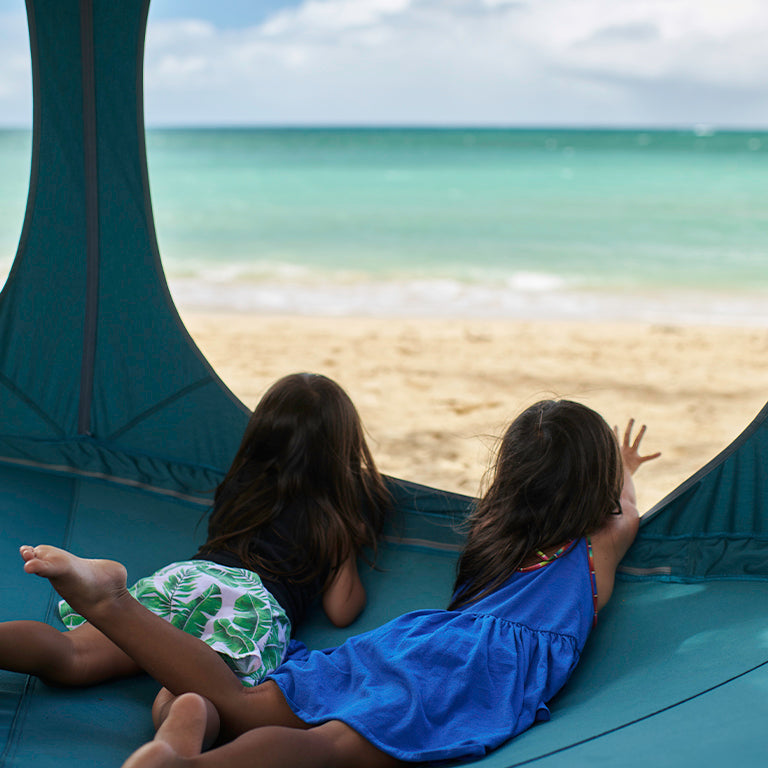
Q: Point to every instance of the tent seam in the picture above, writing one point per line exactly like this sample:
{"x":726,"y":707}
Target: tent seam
{"x":32,"y":404}
{"x":104,"y":445}
{"x":91,"y":176}
{"x":124,"y":481}
{"x":158,"y":407}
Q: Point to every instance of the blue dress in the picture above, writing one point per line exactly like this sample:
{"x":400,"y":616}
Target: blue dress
{"x":438,"y":684}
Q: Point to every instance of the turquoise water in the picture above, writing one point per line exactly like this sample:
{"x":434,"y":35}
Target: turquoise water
{"x":454,"y":220}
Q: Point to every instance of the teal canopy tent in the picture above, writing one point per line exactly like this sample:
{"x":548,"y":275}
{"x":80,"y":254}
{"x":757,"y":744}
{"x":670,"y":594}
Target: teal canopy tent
{"x":114,"y":430}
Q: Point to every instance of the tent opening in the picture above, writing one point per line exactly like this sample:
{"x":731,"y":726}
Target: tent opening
{"x":381,"y":224}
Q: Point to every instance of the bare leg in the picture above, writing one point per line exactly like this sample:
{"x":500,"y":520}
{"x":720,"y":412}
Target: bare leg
{"x":180,"y":662}
{"x":81,"y":657}
{"x":331,"y":745}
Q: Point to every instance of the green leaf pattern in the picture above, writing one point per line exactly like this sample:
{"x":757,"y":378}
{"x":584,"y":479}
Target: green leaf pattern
{"x":228,"y":608}
{"x":68,"y":615}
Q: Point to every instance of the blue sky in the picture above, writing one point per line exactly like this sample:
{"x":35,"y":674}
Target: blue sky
{"x":647,"y":63}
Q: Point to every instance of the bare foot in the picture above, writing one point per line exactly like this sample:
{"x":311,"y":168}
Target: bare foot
{"x":192,"y":723}
{"x":155,"y":754}
{"x":165,"y":703}
{"x":82,"y":583}
{"x":180,"y":736}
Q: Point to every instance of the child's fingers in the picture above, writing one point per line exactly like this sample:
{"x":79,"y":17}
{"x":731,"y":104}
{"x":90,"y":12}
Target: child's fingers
{"x":639,"y":437}
{"x":628,"y":432}
{"x":630,"y":448}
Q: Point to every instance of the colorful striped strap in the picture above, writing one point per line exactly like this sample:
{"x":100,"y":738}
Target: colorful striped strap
{"x":547,"y":559}
{"x":593,"y":579}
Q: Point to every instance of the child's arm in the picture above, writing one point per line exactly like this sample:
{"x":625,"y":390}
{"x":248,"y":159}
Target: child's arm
{"x":344,"y":597}
{"x":611,"y":542}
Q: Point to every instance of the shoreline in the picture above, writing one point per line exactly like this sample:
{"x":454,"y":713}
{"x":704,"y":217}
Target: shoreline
{"x":434,"y":393}
{"x":520,"y":297}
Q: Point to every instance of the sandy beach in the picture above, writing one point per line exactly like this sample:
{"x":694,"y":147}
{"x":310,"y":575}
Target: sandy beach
{"x":435,"y":393}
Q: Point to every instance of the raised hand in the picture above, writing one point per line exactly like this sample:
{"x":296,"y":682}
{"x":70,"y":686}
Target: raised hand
{"x":630,"y":449}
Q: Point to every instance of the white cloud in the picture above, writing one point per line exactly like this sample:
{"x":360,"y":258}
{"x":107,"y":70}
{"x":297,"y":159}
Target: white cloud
{"x":613,"y":62}
{"x":704,"y":42}
{"x":485,"y":61}
{"x":329,"y":16}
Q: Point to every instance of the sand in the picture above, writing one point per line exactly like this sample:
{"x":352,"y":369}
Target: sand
{"x":434,"y":394}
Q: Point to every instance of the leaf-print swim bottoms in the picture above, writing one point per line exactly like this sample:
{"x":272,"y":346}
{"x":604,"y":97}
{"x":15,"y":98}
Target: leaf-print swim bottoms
{"x":228,"y":608}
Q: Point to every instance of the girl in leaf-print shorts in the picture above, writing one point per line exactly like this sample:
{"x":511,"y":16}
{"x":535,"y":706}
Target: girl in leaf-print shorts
{"x":298,"y":504}
{"x":228,"y":608}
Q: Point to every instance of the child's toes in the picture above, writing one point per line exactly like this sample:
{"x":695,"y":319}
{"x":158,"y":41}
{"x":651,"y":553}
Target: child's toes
{"x":33,"y":563}
{"x":26,"y":551}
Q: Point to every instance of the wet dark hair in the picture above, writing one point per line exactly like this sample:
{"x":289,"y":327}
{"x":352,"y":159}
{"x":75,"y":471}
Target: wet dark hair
{"x":558,"y":475}
{"x":303,"y":451}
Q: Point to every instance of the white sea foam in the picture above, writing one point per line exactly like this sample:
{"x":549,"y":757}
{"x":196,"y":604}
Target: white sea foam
{"x":525,"y":297}
{"x":535,"y":282}
{"x":273,"y":288}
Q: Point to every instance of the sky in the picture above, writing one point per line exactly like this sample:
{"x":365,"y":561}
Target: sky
{"x":562,"y":63}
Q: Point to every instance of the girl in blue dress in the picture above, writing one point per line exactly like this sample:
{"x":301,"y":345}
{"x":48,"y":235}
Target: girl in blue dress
{"x":542,"y":548}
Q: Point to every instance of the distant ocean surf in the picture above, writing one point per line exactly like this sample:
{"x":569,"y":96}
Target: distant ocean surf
{"x":668,"y":226}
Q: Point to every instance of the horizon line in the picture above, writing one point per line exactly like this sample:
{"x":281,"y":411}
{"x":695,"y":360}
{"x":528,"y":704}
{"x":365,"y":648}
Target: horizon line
{"x":699,"y":128}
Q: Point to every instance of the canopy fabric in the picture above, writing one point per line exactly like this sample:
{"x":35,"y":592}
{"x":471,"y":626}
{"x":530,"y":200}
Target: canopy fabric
{"x":715,"y":524}
{"x":97,"y":373}
{"x":114,"y":429}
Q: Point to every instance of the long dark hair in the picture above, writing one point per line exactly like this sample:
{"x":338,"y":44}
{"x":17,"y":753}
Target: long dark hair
{"x":303,"y":451}
{"x":558,"y":475}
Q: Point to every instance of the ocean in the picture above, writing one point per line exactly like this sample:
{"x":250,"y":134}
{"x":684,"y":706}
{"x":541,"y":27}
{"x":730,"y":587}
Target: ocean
{"x":664,"y":226}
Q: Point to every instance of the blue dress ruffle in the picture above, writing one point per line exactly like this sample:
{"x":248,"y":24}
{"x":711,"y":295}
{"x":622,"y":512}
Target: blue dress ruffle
{"x":438,"y":684}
